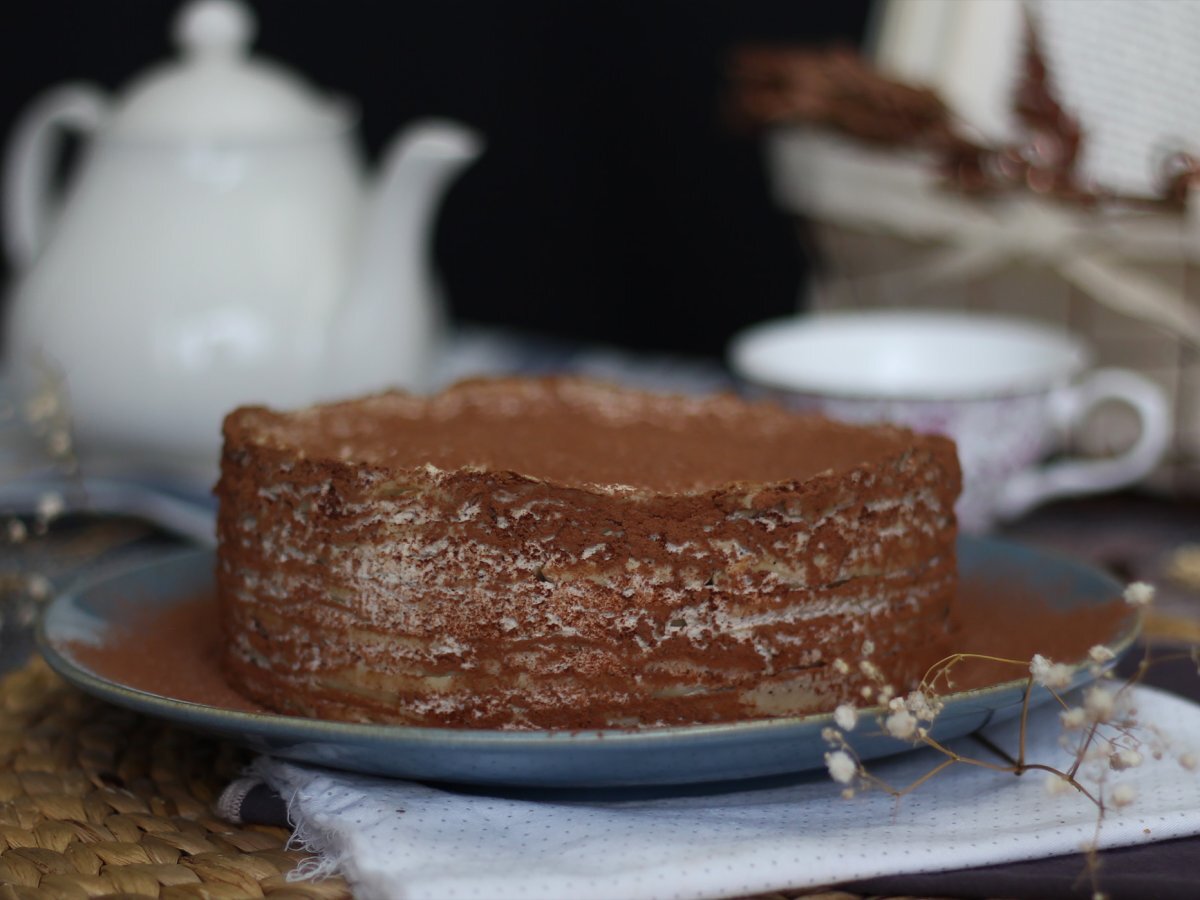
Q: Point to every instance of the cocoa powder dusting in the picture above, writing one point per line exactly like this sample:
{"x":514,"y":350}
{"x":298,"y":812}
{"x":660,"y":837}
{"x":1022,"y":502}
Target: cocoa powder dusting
{"x":571,"y":432}
{"x":173,"y":653}
{"x":176,"y":653}
{"x":1012,"y":621}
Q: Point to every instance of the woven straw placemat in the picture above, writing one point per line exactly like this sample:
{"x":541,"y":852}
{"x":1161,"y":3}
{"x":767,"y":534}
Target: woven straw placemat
{"x":97,"y":801}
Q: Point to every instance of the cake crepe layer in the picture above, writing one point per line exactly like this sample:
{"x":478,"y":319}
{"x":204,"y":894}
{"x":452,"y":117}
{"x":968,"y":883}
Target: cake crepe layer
{"x":556,"y":553}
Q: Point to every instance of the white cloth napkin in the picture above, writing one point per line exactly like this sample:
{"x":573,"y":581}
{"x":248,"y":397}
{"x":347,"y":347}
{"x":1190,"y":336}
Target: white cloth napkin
{"x":394,"y":839}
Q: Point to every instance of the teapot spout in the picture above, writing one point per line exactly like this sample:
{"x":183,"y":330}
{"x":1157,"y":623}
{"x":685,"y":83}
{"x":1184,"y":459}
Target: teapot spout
{"x":387,"y":332}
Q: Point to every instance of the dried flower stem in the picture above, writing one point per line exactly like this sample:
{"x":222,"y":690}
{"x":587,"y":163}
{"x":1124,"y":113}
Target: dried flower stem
{"x":1109,"y":736}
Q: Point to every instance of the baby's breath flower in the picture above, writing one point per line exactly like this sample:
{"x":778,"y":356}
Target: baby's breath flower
{"x":1074,"y":718}
{"x":841,"y":666}
{"x":846,"y":717}
{"x":1125,"y":758}
{"x":886,"y":694}
{"x":842,"y":768}
{"x":42,"y":406}
{"x":59,"y":443}
{"x":1099,"y":704}
{"x":1050,"y":674}
{"x":901,"y":724}
{"x":869,"y":669}
{"x":50,"y":506}
{"x":17,"y":532}
{"x":848,"y":793}
{"x":1188,"y":761}
{"x":1139,"y":594}
{"x":38,"y":586}
{"x":868,"y":647}
{"x":831,"y":736}
{"x":922,"y":706}
{"x":26,"y":615}
{"x":867,"y":691}
{"x":1056,"y":784}
{"x":1123,"y":795}
{"x":1100,"y":654}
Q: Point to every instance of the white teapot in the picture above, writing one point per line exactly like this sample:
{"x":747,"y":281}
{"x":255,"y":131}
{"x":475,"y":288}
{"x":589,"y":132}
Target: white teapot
{"x":219,"y":245}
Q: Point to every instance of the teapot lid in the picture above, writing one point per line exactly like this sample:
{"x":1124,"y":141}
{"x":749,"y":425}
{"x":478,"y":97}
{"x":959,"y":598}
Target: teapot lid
{"x":216,"y":90}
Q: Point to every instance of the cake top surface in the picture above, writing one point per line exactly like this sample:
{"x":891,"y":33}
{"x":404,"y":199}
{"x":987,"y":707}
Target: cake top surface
{"x":574,"y":432}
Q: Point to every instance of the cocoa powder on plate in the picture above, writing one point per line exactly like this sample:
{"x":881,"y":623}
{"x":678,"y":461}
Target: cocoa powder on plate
{"x":176,"y":652}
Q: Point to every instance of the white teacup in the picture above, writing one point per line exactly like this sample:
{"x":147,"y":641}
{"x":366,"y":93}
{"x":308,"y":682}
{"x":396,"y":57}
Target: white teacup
{"x":1008,"y":391}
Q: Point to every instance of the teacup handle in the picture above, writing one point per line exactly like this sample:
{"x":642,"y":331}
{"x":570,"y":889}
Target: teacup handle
{"x":29,"y":165}
{"x":1070,"y":406}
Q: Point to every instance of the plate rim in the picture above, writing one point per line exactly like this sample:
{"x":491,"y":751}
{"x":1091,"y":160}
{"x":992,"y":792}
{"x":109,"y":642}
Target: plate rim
{"x":271,"y":724}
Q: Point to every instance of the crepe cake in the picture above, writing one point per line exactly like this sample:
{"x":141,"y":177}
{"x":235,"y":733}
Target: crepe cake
{"x":564,"y":554}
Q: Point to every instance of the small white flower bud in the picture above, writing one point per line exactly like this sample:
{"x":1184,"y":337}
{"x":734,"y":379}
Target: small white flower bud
{"x":1139,"y":594}
{"x":50,"y":506}
{"x":842,"y":768}
{"x":841,"y":666}
{"x":869,"y":669}
{"x":1056,"y":784}
{"x":38,"y":586}
{"x":1100,"y":654}
{"x":1123,"y":795}
{"x":846,"y":717}
{"x":1125,"y":758}
{"x":924,"y":706}
{"x":1074,"y":718}
{"x":42,"y":406}
{"x":1099,"y":704}
{"x":59,"y":443}
{"x":17,"y":532}
{"x":901,"y":724}
{"x":1050,"y":674}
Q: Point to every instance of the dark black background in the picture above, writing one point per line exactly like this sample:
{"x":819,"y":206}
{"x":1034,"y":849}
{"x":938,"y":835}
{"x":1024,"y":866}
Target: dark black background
{"x":613,"y":203}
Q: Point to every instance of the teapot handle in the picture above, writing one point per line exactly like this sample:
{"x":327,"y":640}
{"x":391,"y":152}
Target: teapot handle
{"x":29,"y":166}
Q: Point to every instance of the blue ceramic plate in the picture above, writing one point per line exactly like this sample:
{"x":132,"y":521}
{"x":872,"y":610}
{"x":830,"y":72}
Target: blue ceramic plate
{"x":663,"y":756}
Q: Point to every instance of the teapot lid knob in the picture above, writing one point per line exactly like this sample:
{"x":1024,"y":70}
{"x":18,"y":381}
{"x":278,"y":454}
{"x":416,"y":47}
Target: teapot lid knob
{"x":215,"y":28}
{"x":219,"y":90}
